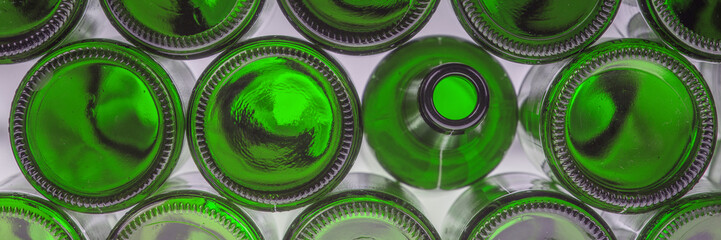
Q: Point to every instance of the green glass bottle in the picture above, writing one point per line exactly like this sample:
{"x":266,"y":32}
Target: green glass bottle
{"x":691,"y":26}
{"x":27,"y":217}
{"x":694,"y":217}
{"x":30,"y":28}
{"x":275,"y":123}
{"x":521,"y":206}
{"x":626,"y":126}
{"x":364,"y":206}
{"x":439,"y":112}
{"x":187,"y":214}
{"x":535,"y":32}
{"x":96,"y":126}
{"x":182,"y":29}
{"x":358,"y":27}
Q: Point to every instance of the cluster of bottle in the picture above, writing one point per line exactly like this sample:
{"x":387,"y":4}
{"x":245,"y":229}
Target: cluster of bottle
{"x":274,"y":123}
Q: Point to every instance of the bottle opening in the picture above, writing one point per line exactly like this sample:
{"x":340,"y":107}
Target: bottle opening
{"x":453,"y":97}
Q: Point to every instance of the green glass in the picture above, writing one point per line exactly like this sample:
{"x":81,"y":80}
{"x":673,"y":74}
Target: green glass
{"x":96,"y":126}
{"x":691,"y":26}
{"x":31,"y":28}
{"x":694,"y":217}
{"x":277,"y":123}
{"x":535,"y":31}
{"x":26,"y":217}
{"x":521,"y":206}
{"x":627,"y":126}
{"x":364,"y":206}
{"x":186,"y":214}
{"x":439,"y":112}
{"x":358,"y":27}
{"x":182,"y":29}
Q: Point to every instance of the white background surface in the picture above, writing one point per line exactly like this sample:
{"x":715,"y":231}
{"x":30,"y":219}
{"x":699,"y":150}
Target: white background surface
{"x":272,"y":22}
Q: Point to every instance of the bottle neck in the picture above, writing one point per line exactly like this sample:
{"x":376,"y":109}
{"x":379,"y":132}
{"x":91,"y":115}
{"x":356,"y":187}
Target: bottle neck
{"x":452,"y":98}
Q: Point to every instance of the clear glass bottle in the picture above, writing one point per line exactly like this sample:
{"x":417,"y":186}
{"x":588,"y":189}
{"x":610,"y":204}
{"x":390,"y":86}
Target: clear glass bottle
{"x":275,"y":123}
{"x":689,"y":26}
{"x":535,"y":32}
{"x":626,"y":126}
{"x":31,"y":28}
{"x":96,"y":126}
{"x":521,"y":206}
{"x":364,"y":206}
{"x":439,"y":112}
{"x":182,"y":29}
{"x":186,"y":210}
{"x":358,"y":27}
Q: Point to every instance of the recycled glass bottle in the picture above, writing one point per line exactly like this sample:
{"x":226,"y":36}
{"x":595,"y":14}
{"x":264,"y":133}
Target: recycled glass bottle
{"x":358,"y":27}
{"x":182,"y":29}
{"x":626,"y":126}
{"x":183,"y":210}
{"x":275,"y":123}
{"x":439,"y":112}
{"x":364,"y":206}
{"x":691,"y":26}
{"x":30,"y":28}
{"x":27,"y":217}
{"x":537,"y":31}
{"x":521,"y":206}
{"x":96,"y":126}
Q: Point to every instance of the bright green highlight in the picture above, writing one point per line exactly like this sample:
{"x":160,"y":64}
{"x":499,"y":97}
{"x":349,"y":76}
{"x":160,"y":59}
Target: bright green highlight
{"x":693,"y":217}
{"x":539,"y":225}
{"x":359,"y":15}
{"x":181,"y":17}
{"x":540,"y":19}
{"x":455,"y":97}
{"x":29,"y":218}
{"x":271,"y":125}
{"x":700,"y":16}
{"x":186,"y":216}
{"x":623,"y":107}
{"x":21,"y":17}
{"x":93,"y":127}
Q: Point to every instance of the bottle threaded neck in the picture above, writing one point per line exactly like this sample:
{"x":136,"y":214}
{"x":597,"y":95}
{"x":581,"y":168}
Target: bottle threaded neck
{"x":539,"y":216}
{"x":591,"y":139}
{"x":37,"y":36}
{"x":360,"y":217}
{"x":453,"y":97}
{"x":358,"y":27}
{"x":96,"y":98}
{"x":184,"y":28}
{"x":29,"y":217}
{"x":510,"y":28}
{"x":186,"y":215}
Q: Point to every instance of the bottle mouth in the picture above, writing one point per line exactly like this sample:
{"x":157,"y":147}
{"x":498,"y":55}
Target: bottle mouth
{"x":453,"y":97}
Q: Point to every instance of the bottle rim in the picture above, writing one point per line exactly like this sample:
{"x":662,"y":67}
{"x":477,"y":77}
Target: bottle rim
{"x":491,"y":218}
{"x":431,"y":114}
{"x":337,"y":207}
{"x":227,"y":214}
{"x":51,"y":32}
{"x":41,"y":212}
{"x":197,"y":45}
{"x":161,"y":88}
{"x":659,"y":14}
{"x":666,"y":223}
{"x":485,"y":30}
{"x":359,"y":43}
{"x":555,"y":142}
{"x":344,"y":93}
